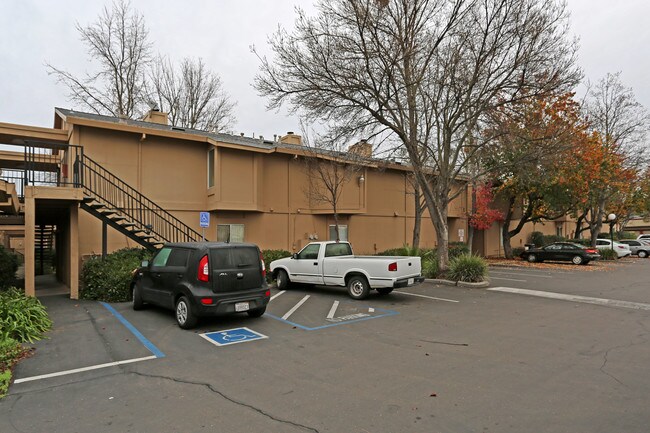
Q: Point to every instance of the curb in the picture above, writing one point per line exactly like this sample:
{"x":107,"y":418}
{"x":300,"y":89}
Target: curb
{"x":440,"y":281}
{"x":480,"y":285}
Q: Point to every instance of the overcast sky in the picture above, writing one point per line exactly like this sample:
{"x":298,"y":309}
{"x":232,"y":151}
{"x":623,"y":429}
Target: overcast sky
{"x":614,"y":36}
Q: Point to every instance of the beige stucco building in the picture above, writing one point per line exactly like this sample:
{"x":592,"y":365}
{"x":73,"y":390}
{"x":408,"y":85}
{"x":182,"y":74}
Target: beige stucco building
{"x":97,"y":183}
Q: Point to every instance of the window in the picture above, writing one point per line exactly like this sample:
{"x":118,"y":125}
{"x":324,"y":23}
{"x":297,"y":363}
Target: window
{"x":230,"y":232}
{"x":161,"y":257}
{"x":178,"y":257}
{"x":211,"y":168}
{"x":220,"y":258}
{"x":310,"y":252}
{"x":343,"y":233}
{"x":335,"y":250}
{"x":558,"y":231}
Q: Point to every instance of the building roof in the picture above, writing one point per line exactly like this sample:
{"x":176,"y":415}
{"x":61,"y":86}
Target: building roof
{"x":258,"y":144}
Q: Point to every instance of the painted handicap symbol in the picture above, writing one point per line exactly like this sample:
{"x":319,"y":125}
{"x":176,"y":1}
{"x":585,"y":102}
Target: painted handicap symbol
{"x":232,"y":336}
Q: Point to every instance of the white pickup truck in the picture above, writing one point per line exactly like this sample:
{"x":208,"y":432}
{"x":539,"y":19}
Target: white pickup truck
{"x":333,"y":264}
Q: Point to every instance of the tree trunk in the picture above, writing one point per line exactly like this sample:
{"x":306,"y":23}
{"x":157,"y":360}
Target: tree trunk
{"x":579,"y":229}
{"x":505,"y":234}
{"x":336,"y":223}
{"x":418,"y":217}
{"x":597,"y":222}
{"x":470,"y":228}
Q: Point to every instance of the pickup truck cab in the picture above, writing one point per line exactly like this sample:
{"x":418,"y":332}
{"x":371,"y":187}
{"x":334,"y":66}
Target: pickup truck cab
{"x":334,"y":264}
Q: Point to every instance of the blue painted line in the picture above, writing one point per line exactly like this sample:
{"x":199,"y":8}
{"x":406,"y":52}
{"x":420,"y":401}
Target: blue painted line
{"x":306,"y":328}
{"x":148,"y":344}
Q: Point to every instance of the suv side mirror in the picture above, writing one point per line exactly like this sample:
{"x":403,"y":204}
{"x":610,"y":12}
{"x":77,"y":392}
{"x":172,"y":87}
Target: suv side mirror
{"x":294,"y":256}
{"x":144,"y":264}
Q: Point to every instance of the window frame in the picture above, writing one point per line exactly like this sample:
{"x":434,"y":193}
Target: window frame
{"x":211,"y":167}
{"x":342,"y":227}
{"x":230,"y":226}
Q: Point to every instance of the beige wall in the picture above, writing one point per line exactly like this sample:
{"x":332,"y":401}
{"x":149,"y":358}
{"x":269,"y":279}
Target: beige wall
{"x":267,"y":192}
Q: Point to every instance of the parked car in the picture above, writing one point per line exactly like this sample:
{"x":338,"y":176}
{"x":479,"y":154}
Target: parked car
{"x":645,"y":237}
{"x":203,"y":279}
{"x":334,"y":264}
{"x":638,"y":248}
{"x":561,"y":251}
{"x":622,"y":250}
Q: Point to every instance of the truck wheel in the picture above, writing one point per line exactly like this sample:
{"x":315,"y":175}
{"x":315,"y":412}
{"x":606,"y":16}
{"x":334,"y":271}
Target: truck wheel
{"x":185,"y":317}
{"x":282,"y":280}
{"x":384,"y":290}
{"x":358,"y":287}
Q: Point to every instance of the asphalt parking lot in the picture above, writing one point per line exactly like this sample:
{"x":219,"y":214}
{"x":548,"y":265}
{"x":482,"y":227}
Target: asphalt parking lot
{"x":424,"y":359}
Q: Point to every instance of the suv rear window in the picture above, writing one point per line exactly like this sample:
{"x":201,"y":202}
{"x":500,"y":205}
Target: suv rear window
{"x":246,"y":257}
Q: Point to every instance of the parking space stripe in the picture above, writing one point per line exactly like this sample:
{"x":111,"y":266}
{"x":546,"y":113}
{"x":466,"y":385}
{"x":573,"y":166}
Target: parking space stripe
{"x":148,"y":344}
{"x":574,"y":298}
{"x":424,"y":296}
{"x":81,"y":370}
{"x":295,"y":307}
{"x":526,"y":274}
{"x":507,"y":279}
{"x":335,"y":305}
{"x":277,"y":294}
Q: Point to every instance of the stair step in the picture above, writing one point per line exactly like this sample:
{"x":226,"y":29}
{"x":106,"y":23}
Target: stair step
{"x":127,"y":224}
{"x":107,"y":212}
{"x":88,"y":199}
{"x":118,"y":218}
{"x":97,"y":205}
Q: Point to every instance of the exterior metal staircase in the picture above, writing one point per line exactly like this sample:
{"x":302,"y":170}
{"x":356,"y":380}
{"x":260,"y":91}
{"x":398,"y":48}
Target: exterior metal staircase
{"x":106,"y":196}
{"x":127,"y":210}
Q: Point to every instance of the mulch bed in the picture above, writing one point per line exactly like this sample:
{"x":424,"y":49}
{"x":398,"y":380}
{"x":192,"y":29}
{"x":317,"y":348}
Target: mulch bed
{"x":597,"y":265}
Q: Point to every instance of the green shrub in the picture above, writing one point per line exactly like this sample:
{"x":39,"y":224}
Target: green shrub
{"x":22,"y":318}
{"x":8,"y":268}
{"x":608,"y":254}
{"x":109,"y":279}
{"x":406,"y":250}
{"x":457,"y":249}
{"x":10,"y":352}
{"x":516,"y":251}
{"x":430,"y":267}
{"x":627,"y":235}
{"x":536,"y":238}
{"x":549,"y":239}
{"x":269,"y":256}
{"x":468,"y":268}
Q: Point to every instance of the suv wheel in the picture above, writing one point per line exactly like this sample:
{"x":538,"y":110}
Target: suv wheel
{"x":256,"y":312}
{"x":643,"y":254}
{"x":185,"y":317}
{"x":138,"y":303}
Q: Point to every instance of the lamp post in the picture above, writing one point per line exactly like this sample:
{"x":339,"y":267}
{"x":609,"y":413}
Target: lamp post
{"x":611,"y":218}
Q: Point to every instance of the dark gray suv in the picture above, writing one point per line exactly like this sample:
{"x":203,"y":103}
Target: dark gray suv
{"x":203,"y":279}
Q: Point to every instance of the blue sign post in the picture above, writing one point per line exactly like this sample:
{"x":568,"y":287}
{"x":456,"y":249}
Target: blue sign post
{"x":232,"y":336}
{"x":204,"y":220}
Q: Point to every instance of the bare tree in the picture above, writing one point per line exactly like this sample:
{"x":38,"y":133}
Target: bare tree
{"x":192,"y":95}
{"x":330,"y":168}
{"x":427,"y":71}
{"x":623,"y":124}
{"x":118,"y":41}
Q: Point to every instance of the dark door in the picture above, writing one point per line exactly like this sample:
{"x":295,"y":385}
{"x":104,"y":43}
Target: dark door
{"x":235,"y":268}
{"x":151,"y":281}
{"x":172,"y":274}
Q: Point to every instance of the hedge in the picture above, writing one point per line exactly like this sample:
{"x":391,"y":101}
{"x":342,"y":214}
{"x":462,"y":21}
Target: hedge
{"x":8,"y":267}
{"x":109,"y":279}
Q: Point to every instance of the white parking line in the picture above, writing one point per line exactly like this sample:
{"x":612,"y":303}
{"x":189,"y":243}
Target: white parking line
{"x":423,"y":296}
{"x":574,"y":298}
{"x":277,"y":294}
{"x":80,"y":370}
{"x":507,"y":279}
{"x":295,"y":307}
{"x":527,"y":274}
{"x":335,"y":305}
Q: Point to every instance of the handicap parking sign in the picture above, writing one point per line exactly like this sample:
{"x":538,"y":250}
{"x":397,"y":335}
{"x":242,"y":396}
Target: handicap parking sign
{"x":232,"y":336}
{"x":204,"y":219}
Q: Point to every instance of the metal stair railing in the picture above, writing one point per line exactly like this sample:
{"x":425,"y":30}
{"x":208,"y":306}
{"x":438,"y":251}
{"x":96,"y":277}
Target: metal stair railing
{"x":118,"y":196}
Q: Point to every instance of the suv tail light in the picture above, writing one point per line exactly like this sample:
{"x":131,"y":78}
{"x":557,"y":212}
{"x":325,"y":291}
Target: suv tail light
{"x":263,"y":265}
{"x":392,"y":267}
{"x":203,"y":273}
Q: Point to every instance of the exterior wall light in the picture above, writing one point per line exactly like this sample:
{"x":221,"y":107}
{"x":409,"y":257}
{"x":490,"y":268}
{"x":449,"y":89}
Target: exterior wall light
{"x":361,"y":179}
